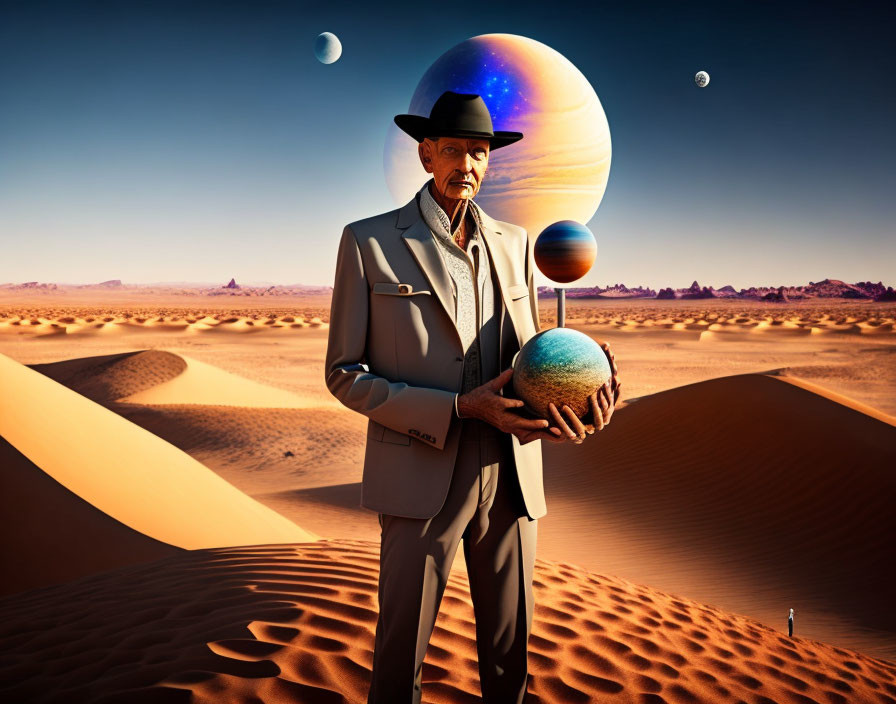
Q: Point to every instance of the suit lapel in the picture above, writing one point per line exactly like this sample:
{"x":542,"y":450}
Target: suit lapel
{"x":424,"y":249}
{"x":492,"y":236}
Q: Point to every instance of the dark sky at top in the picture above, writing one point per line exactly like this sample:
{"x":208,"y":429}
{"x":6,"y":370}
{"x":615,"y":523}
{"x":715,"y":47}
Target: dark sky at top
{"x":159,"y":141}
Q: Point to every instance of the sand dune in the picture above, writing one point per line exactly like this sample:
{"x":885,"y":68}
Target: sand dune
{"x":205,"y":410}
{"x":272,"y":454}
{"x":204,"y":384}
{"x":755,"y":492}
{"x":296,"y":623}
{"x":134,"y":477}
{"x":51,"y":535}
{"x":158,"y":377}
{"x":106,"y":378}
{"x":260,"y":440}
{"x":740,"y":501}
{"x":750,"y":494}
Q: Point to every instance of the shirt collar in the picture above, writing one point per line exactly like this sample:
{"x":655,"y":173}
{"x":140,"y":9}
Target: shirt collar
{"x":438,"y":219}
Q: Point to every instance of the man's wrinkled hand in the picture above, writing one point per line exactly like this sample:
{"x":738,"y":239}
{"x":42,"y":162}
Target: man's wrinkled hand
{"x":601,"y":403}
{"x":485,"y":403}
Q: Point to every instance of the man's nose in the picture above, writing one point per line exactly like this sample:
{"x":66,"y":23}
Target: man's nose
{"x":468,"y":163}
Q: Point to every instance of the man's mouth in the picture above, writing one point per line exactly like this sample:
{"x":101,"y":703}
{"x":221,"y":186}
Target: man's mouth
{"x":461,"y":183}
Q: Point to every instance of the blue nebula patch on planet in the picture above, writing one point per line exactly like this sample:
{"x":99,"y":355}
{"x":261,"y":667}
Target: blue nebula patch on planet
{"x":474,"y":67}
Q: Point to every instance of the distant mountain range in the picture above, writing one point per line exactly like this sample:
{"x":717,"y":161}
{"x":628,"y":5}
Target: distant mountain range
{"x":829,"y":288}
{"x":232,"y":288}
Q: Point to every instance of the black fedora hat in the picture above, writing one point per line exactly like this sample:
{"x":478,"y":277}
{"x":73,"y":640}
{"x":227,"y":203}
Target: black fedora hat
{"x":457,"y":115}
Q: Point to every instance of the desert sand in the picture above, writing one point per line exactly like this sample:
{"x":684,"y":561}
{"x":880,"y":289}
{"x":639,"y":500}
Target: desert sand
{"x":295,"y":623}
{"x":748,"y":471}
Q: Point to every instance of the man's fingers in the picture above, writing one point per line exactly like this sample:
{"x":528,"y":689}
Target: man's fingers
{"x":597,"y":411}
{"x":575,"y":424}
{"x":592,"y":402}
{"x":617,"y":392}
{"x":606,"y":406}
{"x":531,"y":424}
{"x":605,"y":346}
{"x":501,"y":379}
{"x":561,"y":424}
{"x":511,"y":402}
{"x":544,"y":435}
{"x":589,"y":427}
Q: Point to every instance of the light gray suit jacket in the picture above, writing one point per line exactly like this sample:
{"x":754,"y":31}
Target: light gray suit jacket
{"x":394,"y":354}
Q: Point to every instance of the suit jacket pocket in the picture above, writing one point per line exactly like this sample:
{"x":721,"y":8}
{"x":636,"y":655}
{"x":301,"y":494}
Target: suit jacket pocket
{"x":394,"y":437}
{"x":380,"y":433}
{"x":516,"y":292}
{"x":396,"y":289}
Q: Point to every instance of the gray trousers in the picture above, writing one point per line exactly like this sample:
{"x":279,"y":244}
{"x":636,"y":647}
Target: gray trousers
{"x":485,"y":509}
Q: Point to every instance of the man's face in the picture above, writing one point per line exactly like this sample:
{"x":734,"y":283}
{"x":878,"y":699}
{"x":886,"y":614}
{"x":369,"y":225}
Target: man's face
{"x":457,"y":164}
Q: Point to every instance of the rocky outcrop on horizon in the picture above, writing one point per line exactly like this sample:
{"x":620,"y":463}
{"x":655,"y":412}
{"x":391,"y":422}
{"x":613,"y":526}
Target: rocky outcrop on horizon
{"x":614,"y":291}
{"x":182,"y":289}
{"x":776,"y":296}
{"x":828,"y":288}
{"x":29,"y":286}
{"x":695,"y":291}
{"x":274,"y":290}
{"x":887,"y":295}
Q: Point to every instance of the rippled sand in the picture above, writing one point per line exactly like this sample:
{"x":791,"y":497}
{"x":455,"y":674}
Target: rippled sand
{"x":745,"y":473}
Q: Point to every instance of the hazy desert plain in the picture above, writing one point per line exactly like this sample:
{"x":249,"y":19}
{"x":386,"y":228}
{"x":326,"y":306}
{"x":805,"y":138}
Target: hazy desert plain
{"x":180,"y":499}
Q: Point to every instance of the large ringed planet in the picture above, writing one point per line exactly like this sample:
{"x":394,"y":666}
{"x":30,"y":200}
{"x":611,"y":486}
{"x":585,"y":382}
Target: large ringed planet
{"x":557,"y":171}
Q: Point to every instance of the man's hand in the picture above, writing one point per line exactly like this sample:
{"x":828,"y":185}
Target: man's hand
{"x":485,"y":403}
{"x":602,"y":404}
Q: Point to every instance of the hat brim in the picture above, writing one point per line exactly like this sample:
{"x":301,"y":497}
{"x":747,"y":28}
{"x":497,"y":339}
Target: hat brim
{"x":419,"y":128}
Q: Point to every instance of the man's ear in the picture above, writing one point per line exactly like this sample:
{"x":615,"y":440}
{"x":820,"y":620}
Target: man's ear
{"x":423,"y":151}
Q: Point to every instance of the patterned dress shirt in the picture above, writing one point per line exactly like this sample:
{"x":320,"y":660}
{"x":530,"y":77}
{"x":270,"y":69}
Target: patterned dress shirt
{"x":476,"y":313}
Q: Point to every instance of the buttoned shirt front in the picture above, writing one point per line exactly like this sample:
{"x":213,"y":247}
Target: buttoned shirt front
{"x":477,"y":316}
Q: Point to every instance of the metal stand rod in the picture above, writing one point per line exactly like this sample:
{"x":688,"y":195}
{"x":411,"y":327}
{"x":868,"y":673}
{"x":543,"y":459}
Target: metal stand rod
{"x":561,"y":307}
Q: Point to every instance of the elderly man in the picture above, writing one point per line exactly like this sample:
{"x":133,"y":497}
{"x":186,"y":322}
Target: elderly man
{"x":430,"y":303}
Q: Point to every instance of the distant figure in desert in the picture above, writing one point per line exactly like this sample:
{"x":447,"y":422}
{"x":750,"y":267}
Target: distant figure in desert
{"x":790,"y":624}
{"x":430,"y":303}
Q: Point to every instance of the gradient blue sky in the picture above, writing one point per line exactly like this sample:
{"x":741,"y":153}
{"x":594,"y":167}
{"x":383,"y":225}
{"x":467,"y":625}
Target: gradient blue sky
{"x":155,"y":141}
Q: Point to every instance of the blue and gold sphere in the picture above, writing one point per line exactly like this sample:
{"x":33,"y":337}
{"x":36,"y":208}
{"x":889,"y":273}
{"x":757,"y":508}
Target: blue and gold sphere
{"x":559,"y":366}
{"x":565,"y":251}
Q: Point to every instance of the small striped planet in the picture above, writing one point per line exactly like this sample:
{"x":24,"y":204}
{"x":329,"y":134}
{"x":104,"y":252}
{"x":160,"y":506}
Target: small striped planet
{"x":565,"y":251}
{"x":559,"y":366}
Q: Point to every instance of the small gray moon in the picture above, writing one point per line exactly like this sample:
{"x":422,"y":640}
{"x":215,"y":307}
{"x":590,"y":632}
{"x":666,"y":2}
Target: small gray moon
{"x":327,"y":47}
{"x":701,"y":79}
